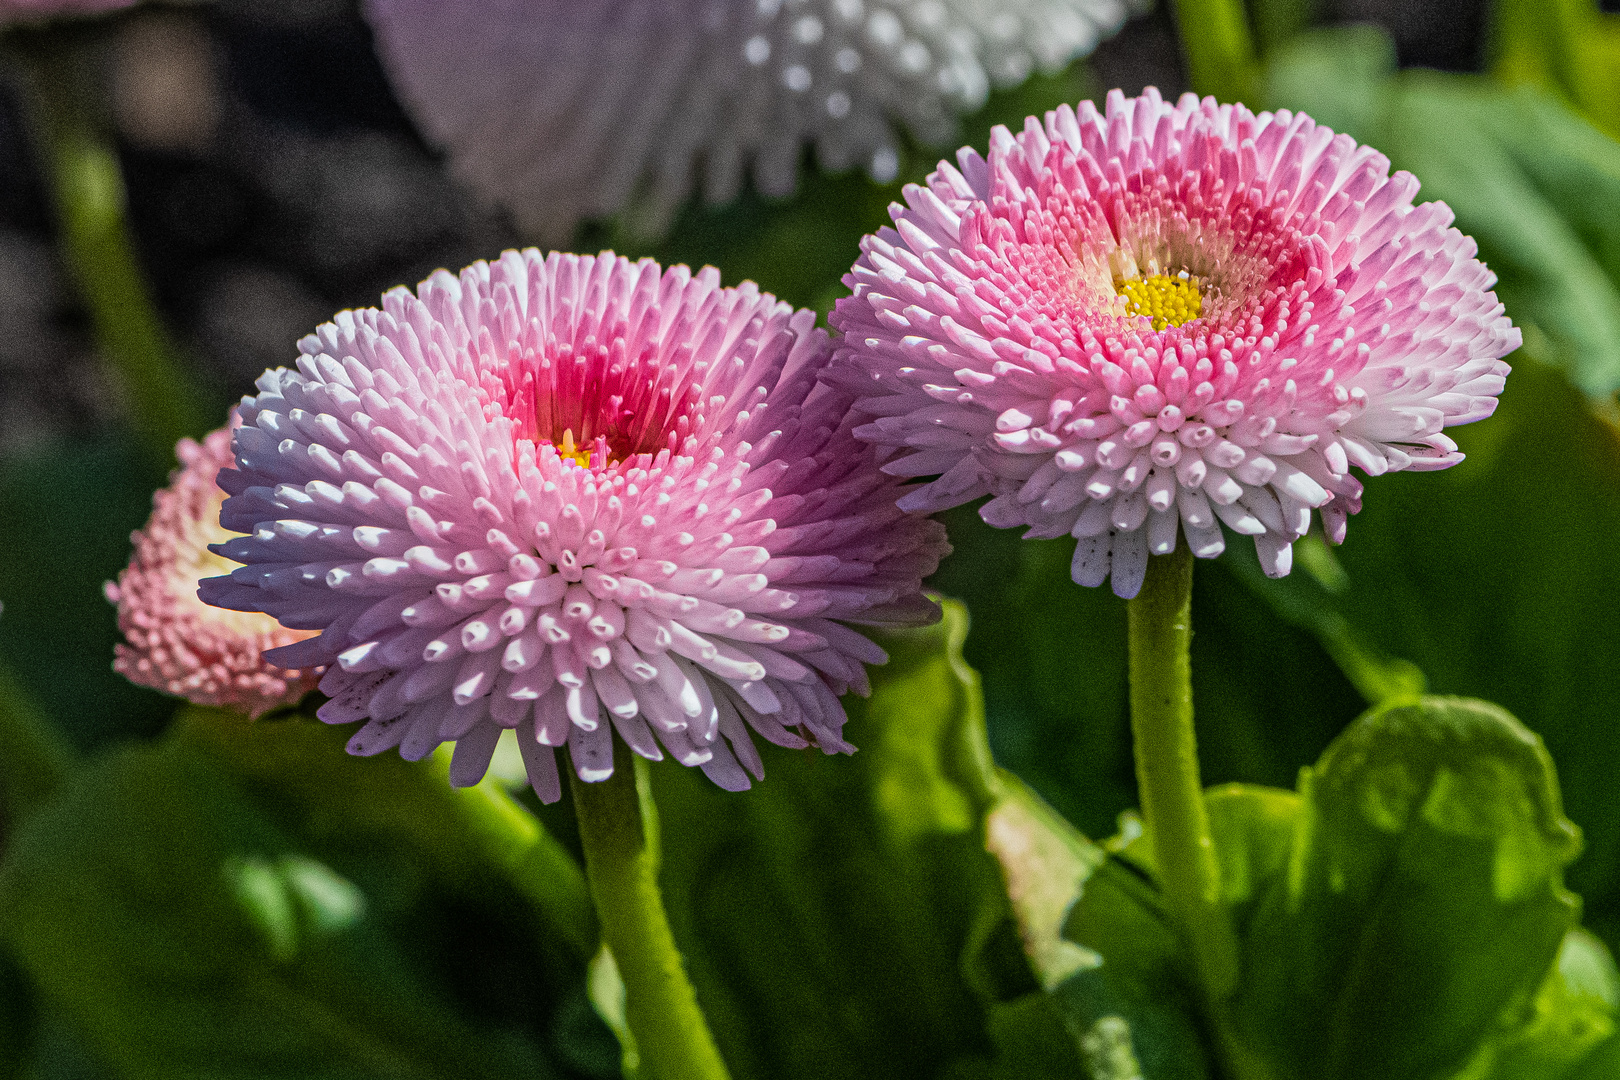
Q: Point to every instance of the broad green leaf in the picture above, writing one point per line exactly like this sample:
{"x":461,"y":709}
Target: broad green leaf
{"x":845,"y":919}
{"x":1569,"y":46}
{"x":1497,"y":578}
{"x":1097,"y":939}
{"x":245,"y":901}
{"x":1422,"y":901}
{"x":824,"y":915}
{"x":1564,"y":1027}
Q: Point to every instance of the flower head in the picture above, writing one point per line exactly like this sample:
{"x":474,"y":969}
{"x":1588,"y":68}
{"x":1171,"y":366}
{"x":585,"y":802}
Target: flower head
{"x":1155,"y":321}
{"x":565,"y":109}
{"x":572,"y":496}
{"x":176,"y":643}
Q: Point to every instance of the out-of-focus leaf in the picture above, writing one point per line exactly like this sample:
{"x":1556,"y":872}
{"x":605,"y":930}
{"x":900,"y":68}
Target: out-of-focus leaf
{"x":17,"y":1019}
{"x":68,"y":512}
{"x":1304,"y":599}
{"x":345,"y":805}
{"x":844,"y":918}
{"x":1533,"y":182}
{"x":1572,"y":1016}
{"x":245,"y":901}
{"x":1569,"y":46}
{"x":1422,"y":903}
{"x":34,"y":759}
{"x":1052,"y":657}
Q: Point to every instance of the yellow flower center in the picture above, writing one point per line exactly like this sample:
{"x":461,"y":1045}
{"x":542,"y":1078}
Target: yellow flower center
{"x":1167,"y":300}
{"x":579,"y":455}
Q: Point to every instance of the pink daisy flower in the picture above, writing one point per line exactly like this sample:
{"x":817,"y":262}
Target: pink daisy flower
{"x":176,"y":643}
{"x":572,"y":496}
{"x":1153,"y":322}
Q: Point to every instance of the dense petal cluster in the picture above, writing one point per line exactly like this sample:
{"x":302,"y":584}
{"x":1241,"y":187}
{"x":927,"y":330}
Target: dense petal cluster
{"x":564,"y":109}
{"x":572,"y":496}
{"x":1153,"y":322}
{"x":176,"y":643}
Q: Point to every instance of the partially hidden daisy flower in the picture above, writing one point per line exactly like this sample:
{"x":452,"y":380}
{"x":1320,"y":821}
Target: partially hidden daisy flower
{"x":173,"y":641}
{"x":1130,"y":326}
{"x":572,"y":496}
{"x":564,"y":110}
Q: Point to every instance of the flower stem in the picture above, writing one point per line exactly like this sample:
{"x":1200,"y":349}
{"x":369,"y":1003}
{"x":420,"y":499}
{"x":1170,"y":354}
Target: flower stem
{"x":1219,"y":49}
{"x":1172,"y":795}
{"x":86,"y":185}
{"x":618,"y":826}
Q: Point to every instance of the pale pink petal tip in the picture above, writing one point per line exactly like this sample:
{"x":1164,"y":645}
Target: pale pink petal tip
{"x":1165,"y":322}
{"x":175,"y":643}
{"x":579,"y":497}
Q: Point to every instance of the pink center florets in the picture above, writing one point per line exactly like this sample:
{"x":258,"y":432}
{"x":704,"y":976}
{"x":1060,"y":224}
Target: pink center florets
{"x":608,"y":388}
{"x":1131,"y":327}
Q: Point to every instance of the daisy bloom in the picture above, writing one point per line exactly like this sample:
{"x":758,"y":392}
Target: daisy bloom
{"x":568,"y":109}
{"x":572,"y":496}
{"x":175,"y":642}
{"x":1153,"y":322}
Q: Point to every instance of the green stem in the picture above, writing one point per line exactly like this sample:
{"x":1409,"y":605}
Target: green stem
{"x":86,"y":184}
{"x":1219,"y":49}
{"x":1167,"y":768}
{"x":618,"y":825}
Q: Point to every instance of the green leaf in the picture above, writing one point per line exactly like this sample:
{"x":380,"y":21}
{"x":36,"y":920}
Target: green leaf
{"x":1535,"y":184}
{"x":1566,"y":1026}
{"x":245,"y":900}
{"x":824,"y":914}
{"x":69,"y":509}
{"x":1422,"y":899}
{"x":845,"y":918}
{"x":1569,"y":46}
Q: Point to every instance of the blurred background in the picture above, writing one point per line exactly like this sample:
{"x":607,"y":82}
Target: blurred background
{"x":273,"y":179}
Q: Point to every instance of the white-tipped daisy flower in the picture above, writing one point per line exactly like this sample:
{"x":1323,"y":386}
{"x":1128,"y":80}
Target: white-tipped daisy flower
{"x":572,"y":496}
{"x":1131,"y":326}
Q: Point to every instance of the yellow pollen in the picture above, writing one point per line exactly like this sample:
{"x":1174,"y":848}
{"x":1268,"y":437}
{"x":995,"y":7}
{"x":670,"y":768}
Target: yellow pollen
{"x":1167,"y":300}
{"x":580,"y":456}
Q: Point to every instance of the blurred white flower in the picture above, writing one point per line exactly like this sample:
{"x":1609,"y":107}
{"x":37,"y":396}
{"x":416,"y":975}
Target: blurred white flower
{"x":564,"y":110}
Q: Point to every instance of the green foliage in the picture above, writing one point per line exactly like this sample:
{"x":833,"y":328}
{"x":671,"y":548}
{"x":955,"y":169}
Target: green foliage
{"x":1403,"y":914}
{"x":1422,"y":897}
{"x":245,"y":901}
{"x":64,"y":530}
{"x":845,"y":918}
{"x":1570,"y":46}
{"x":1535,"y":184}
